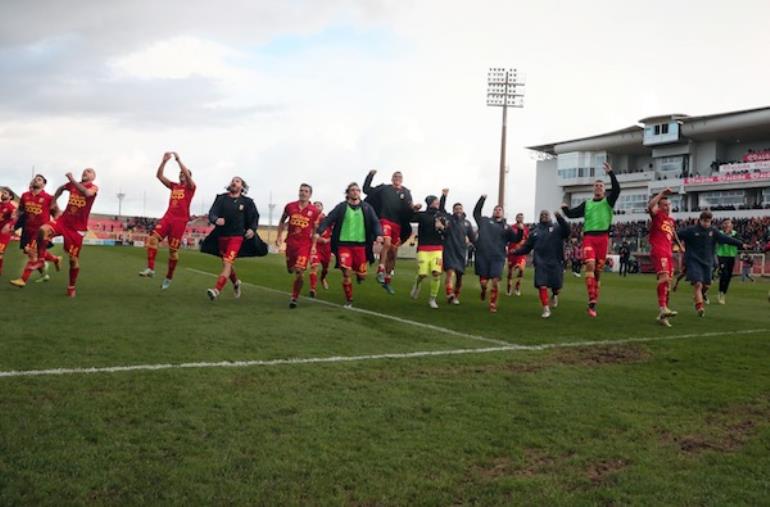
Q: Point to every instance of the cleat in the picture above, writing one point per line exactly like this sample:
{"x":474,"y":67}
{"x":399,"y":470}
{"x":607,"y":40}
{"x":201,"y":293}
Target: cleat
{"x":456,"y":301}
{"x":664,"y":322}
{"x":166,"y":284}
{"x":237,"y":289}
{"x":348,"y":304}
{"x":213,"y":294}
{"x":390,"y":290}
{"x":325,"y":284}
{"x":147,"y":273}
{"x":71,"y":293}
{"x":432,"y":303}
{"x":312,"y":293}
{"x":483,"y":293}
{"x":546,"y":312}
{"x":517,"y":292}
{"x":18,"y":283}
{"x":45,"y":278}
{"x":450,"y":299}
{"x":668,"y":312}
{"x":592,"y":312}
{"x":292,"y":303}
{"x":415,"y":292}
{"x":509,"y":291}
{"x":706,"y":300}
{"x":381,"y":278}
{"x":721,"y":298}
{"x":492,"y":308}
{"x":576,"y":275}
{"x":554,"y":301}
{"x":700,"y":311}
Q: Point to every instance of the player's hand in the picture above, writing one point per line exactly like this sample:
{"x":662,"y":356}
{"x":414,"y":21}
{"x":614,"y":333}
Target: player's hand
{"x":372,"y":172}
{"x":176,"y":155}
{"x":220,"y":221}
{"x":278,"y":242}
{"x":167,"y":156}
{"x":444,"y":191}
{"x":70,"y":176}
{"x":667,"y":191}
{"x":607,"y":167}
{"x":250,"y":234}
{"x":557,"y":214}
{"x":417,"y":206}
{"x":484,"y":196}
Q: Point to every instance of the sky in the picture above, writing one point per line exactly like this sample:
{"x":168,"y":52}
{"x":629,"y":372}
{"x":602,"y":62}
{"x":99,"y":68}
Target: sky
{"x":322,"y":91}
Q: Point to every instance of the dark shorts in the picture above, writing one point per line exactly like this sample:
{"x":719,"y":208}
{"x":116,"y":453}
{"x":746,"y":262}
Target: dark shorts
{"x":489,"y":268}
{"x":698,"y":272}
{"x":549,"y":276}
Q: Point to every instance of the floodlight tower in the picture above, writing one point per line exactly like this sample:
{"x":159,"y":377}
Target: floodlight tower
{"x":504,"y":90}
{"x":121,"y":196}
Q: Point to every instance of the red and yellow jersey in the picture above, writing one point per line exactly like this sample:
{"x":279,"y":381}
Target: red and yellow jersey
{"x":7,"y":209}
{"x":327,"y":234}
{"x":179,"y":202}
{"x":525,"y":234}
{"x":37,"y":209}
{"x":78,"y":209}
{"x":302,"y":222}
{"x":661,"y":234}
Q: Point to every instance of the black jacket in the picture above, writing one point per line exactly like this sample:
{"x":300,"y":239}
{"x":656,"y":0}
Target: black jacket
{"x":427,"y":233}
{"x":390,"y":204}
{"x":244,"y":217}
{"x":335,"y":218}
{"x":494,"y":235}
{"x":547,"y":241}
{"x":700,"y":243}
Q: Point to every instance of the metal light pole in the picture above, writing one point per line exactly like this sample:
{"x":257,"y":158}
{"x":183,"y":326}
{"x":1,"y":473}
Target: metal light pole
{"x":502,"y":92}
{"x":271,"y":206}
{"x":121,"y":196}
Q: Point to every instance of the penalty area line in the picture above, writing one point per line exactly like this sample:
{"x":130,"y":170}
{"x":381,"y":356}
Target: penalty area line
{"x":368,"y":357}
{"x":437,"y":329}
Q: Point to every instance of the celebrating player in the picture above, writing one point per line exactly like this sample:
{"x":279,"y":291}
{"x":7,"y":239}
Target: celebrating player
{"x":174,"y":221}
{"x":236,"y":219}
{"x":517,"y":262}
{"x":322,"y":256}
{"x":302,"y":217}
{"x":7,"y":220}
{"x":431,"y":226}
{"x":726,"y":255}
{"x":662,"y":237}
{"x":546,"y":239}
{"x":494,"y":234}
{"x":458,"y":235}
{"x":355,"y":230}
{"x":393,"y":205}
{"x":598,"y":213}
{"x":700,"y":241}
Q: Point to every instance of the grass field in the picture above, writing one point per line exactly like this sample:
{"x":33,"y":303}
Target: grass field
{"x":652,"y":416}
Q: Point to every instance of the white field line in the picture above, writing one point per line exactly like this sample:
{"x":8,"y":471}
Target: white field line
{"x":438,"y":329}
{"x":369,"y":357}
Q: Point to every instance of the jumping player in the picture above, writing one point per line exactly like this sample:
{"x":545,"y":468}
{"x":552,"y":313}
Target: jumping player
{"x":517,"y":262}
{"x":322,"y":256}
{"x":431,"y":227}
{"x":302,"y":218}
{"x":73,"y":222}
{"x":494,"y":234}
{"x":458,"y":235}
{"x":173,"y":223}
{"x":662,"y":237}
{"x":7,"y":220}
{"x":598,"y":213}
{"x":355,"y":229}
{"x":393,"y":205}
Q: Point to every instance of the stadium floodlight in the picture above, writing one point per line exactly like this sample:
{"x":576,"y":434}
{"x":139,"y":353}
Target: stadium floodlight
{"x":504,"y":89}
{"x":121,"y":196}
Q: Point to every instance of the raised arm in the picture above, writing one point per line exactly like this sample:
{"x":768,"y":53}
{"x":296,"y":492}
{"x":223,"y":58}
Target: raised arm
{"x":615,"y":190}
{"x":367,"y":188}
{"x":88,"y":192}
{"x":442,"y":201}
{"x":526,"y":247}
{"x":576,"y":212}
{"x":188,"y":174}
{"x":563,"y":225}
{"x":477,"y":209}
{"x":166,"y":182}
{"x":652,"y":206}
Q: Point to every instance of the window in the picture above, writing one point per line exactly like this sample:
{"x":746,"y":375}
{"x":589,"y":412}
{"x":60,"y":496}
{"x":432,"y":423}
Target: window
{"x":657,"y":130}
{"x":580,"y":164}
{"x":722,"y":198}
{"x":632,"y":202}
{"x":664,"y":128}
{"x":766,"y":195}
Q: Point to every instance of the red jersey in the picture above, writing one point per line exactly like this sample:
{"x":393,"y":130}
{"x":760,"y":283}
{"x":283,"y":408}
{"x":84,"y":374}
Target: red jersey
{"x":302,"y":222}
{"x":327,"y":234}
{"x":6,"y":213}
{"x":37,"y":209}
{"x":179,"y":203}
{"x":525,"y":234}
{"x":78,"y":209}
{"x":661,"y":234}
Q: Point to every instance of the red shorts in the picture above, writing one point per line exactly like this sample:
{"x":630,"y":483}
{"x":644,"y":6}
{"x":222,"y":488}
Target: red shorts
{"x":297,"y":256}
{"x":663,"y":263}
{"x":322,"y":256}
{"x":517,"y":261}
{"x":171,"y":229}
{"x":73,"y":239}
{"x":229,"y":246}
{"x":391,"y":230}
{"x":29,"y":239}
{"x":595,"y":249}
{"x":353,"y":257}
{"x":4,"y":240}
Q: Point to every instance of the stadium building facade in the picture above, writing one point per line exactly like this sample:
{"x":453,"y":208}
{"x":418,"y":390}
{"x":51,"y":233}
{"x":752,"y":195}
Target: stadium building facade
{"x":719,"y":162}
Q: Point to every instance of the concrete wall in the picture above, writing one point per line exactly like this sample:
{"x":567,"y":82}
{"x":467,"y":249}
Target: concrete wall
{"x":737,"y":151}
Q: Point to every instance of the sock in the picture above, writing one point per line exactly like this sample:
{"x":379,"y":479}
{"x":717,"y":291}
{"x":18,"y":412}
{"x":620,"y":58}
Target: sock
{"x":221,"y":281}
{"x":388,"y":278}
{"x":171,"y":268}
{"x":296,"y":288}
{"x":663,"y":294}
{"x":543,"y":292}
{"x":591,"y":287}
{"x":151,"y":254}
{"x":347,"y":288}
{"x":699,"y":305}
{"x":493,"y":296}
{"x":483,"y":281}
{"x":28,"y":269}
{"x":448,"y":289}
{"x":313,"y":280}
{"x":381,"y":268}
{"x":435,"y":285}
{"x":74,"y":276}
{"x":233,"y":276}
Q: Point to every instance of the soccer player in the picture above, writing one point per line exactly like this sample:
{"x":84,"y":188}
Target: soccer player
{"x":598,"y":213}
{"x":302,"y":218}
{"x":494,"y":234}
{"x":726,"y":255}
{"x":355,"y":229}
{"x":393,"y":205}
{"x":73,"y":222}
{"x":458,"y":235}
{"x":236,"y":219}
{"x":546,"y":240}
{"x":36,"y":207}
{"x":700,"y":241}
{"x":517,"y":262}
{"x":173,"y":223}
{"x":431,"y":226}
{"x":662,"y":237}
{"x":7,"y":220}
{"x":322,"y":256}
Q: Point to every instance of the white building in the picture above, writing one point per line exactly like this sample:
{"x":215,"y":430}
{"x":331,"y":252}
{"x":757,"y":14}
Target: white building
{"x":718,"y":161}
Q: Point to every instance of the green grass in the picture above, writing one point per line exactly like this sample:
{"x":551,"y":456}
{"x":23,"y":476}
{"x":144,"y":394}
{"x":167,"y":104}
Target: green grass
{"x":662,"y":422}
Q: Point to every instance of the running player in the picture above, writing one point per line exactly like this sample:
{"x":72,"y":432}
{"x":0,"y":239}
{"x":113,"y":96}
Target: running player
{"x":726,"y":255}
{"x":355,"y":229}
{"x":393,"y":204}
{"x":173,"y":223}
{"x":517,"y":262}
{"x":457,"y":237}
{"x":7,"y":220}
{"x":662,"y":237}
{"x":36,"y":207}
{"x":494,"y":234}
{"x":322,"y":256}
{"x":73,"y":222}
{"x":596,"y":232}
{"x":431,"y":226}
{"x":302,"y":218}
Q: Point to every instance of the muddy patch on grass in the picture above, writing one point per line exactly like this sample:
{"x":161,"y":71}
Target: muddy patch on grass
{"x":602,"y":355}
{"x":600,"y":471}
{"x":533,"y":462}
